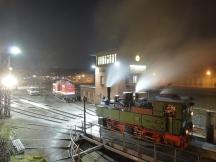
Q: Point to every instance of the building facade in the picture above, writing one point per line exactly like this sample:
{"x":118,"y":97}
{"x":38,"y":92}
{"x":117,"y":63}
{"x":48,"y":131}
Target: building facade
{"x":89,"y":92}
{"x":126,"y":73}
{"x":118,"y":72}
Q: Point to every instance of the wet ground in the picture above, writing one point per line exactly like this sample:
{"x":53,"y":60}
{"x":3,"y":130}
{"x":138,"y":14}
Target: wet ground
{"x":43,"y":123}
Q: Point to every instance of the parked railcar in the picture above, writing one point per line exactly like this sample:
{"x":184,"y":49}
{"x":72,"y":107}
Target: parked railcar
{"x":64,"y":90}
{"x":167,"y":119}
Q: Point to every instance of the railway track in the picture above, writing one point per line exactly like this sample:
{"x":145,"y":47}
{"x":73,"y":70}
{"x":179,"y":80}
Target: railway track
{"x":60,"y":117}
{"x":66,"y":115}
{"x":37,"y":129}
{"x":49,"y":108}
{"x":79,"y":106}
{"x":36,"y":116}
{"x":39,"y":114}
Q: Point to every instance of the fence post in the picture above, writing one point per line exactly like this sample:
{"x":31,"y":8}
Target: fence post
{"x":155,"y":153}
{"x":112,"y":134}
{"x":198,"y":158}
{"x":84,"y":102}
{"x":91,"y":129}
{"x":123,"y":142}
{"x":100,"y":133}
{"x":175,"y":155}
{"x":138,"y":145}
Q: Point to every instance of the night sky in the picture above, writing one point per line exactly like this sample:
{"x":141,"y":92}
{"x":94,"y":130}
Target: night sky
{"x":64,"y":33}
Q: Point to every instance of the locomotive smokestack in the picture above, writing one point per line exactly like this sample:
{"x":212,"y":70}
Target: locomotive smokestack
{"x":108,"y":92}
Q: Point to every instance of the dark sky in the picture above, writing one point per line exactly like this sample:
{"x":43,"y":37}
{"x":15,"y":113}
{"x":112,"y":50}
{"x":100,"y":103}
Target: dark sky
{"x":63,"y":33}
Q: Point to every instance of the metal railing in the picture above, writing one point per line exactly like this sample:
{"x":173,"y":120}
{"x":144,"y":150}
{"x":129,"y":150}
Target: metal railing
{"x":74,"y":148}
{"x":152,"y":151}
{"x":75,"y":151}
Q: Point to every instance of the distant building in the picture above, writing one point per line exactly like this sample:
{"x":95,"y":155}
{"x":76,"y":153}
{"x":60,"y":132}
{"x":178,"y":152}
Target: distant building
{"x":203,"y":79}
{"x":82,"y":78}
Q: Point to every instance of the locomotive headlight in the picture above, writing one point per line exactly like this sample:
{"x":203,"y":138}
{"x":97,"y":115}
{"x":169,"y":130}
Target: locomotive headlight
{"x":192,"y":113}
{"x":186,"y":132}
{"x":193,"y":126}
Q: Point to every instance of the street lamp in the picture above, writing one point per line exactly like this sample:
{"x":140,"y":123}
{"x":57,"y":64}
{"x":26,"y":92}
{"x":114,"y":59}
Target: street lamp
{"x":93,"y":66}
{"x":208,"y":73}
{"x":9,"y":81}
{"x":209,"y":78}
{"x":13,"y":50}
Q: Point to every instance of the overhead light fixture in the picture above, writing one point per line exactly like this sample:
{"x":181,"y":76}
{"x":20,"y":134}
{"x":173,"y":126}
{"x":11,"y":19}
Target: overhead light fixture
{"x":137,"y":58}
{"x":93,"y":66}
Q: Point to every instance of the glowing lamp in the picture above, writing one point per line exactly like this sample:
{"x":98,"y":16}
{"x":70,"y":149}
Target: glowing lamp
{"x":9,"y":81}
{"x":14,"y":50}
{"x":117,"y":64}
{"x":93,"y":66}
{"x":208,"y":72}
{"x":137,"y":58}
{"x":10,"y":68}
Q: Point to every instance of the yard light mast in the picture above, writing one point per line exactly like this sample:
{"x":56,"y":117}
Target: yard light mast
{"x":7,"y":82}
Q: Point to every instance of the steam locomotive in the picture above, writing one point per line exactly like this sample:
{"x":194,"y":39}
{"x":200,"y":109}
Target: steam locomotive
{"x":167,"y":119}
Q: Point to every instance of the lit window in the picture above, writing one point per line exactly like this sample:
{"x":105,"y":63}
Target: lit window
{"x":137,"y":68}
{"x":134,"y":78}
{"x":103,"y":60}
{"x":107,"y":59}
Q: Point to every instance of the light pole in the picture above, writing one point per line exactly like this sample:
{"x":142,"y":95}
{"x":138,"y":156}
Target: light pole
{"x":208,"y":74}
{"x":13,"y":50}
{"x":84,"y":113}
{"x":7,"y":82}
